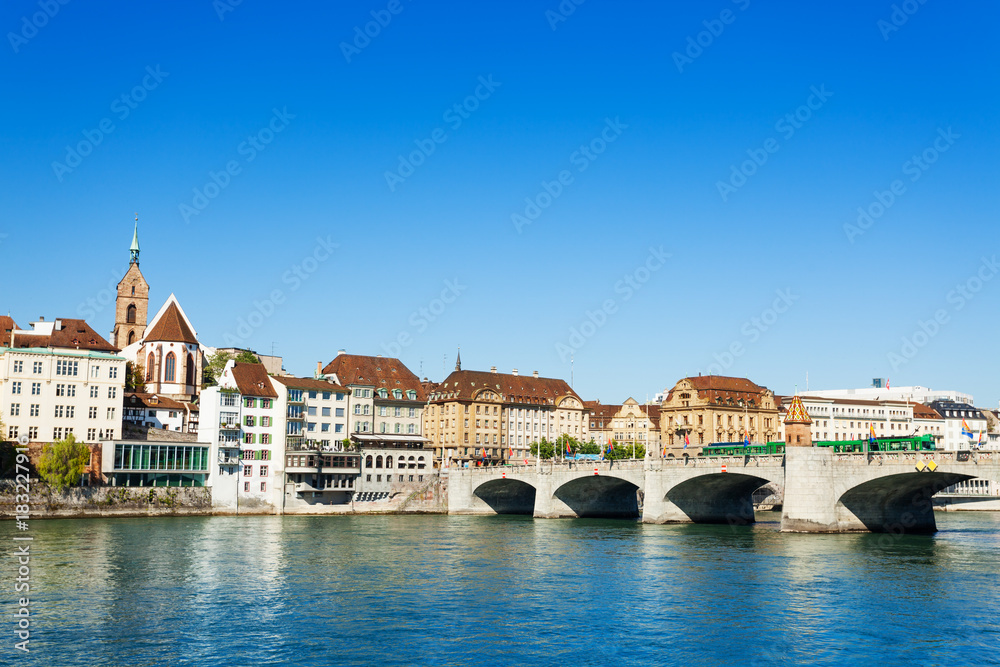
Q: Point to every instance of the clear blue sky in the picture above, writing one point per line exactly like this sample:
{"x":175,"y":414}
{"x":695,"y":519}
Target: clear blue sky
{"x":678,"y":124}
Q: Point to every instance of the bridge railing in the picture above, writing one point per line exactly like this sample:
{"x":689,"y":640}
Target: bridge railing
{"x":716,"y":462}
{"x":939,"y":457}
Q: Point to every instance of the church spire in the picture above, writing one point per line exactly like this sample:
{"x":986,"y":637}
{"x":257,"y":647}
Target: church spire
{"x":458,"y":360}
{"x":134,"y":250}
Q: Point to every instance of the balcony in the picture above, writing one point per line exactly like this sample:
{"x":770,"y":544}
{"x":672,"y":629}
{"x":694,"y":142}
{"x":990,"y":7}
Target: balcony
{"x":228,"y":460}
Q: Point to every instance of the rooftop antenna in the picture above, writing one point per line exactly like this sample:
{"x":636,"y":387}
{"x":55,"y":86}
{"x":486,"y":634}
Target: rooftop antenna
{"x":571,"y":366}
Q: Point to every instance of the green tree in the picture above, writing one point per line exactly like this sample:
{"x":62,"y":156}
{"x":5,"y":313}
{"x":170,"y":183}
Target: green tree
{"x":135,"y":377}
{"x":247,"y":357}
{"x":62,"y":462}
{"x":548,"y":449}
{"x":215,"y":364}
{"x":623,"y":450}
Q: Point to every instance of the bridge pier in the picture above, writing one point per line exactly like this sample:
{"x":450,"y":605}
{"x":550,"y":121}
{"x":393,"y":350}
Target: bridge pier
{"x":810,"y":501}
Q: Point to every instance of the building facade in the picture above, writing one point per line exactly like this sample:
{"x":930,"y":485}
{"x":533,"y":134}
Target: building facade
{"x":155,"y":411}
{"x":60,"y":377}
{"x":489,"y":417}
{"x":713,"y":408}
{"x":132,"y":304}
{"x":965,"y":427}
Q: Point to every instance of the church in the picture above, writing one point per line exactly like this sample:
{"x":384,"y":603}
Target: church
{"x":166,"y":348}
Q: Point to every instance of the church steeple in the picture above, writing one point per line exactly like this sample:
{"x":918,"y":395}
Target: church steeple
{"x":458,"y":360}
{"x":134,"y":250}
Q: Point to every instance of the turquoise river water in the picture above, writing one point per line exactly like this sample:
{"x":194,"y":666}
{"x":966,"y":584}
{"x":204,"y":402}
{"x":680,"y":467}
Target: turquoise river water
{"x":446,"y":590}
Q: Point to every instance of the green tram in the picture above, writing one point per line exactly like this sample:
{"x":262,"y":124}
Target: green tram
{"x":739,"y":449}
{"x":923,"y":443}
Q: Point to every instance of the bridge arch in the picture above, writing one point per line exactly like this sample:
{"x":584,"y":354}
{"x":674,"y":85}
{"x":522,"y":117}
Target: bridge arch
{"x":898,"y":504}
{"x":713,"y":498}
{"x":600,"y":496}
{"x":507,"y":496}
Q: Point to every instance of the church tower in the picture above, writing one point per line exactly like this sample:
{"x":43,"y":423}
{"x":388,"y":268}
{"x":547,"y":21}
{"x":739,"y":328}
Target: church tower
{"x":132,"y":305}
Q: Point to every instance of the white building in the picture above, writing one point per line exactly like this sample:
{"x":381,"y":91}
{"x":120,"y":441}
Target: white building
{"x":856,"y":419}
{"x":957,"y":416}
{"x":316,"y":413}
{"x":912,"y":394}
{"x":156,"y":411}
{"x":241,"y":418}
{"x":57,"y":378}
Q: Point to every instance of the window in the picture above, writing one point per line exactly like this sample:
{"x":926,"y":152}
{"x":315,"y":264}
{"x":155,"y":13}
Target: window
{"x":310,"y":426}
{"x":130,"y":311}
{"x":246,"y":487}
{"x":339,"y":428}
{"x":18,"y":366}
{"x":15,"y":387}
{"x":111,"y":413}
{"x":263,"y":472}
{"x":311,"y":411}
{"x":92,"y":412}
{"x":66,"y":367}
{"x":263,"y":487}
{"x":34,"y":409}
{"x":265,"y":438}
{"x":265,"y":403}
{"x":69,"y":411}
{"x":15,"y":409}
{"x":57,"y":433}
{"x":357,"y":408}
{"x":112,"y":392}
{"x":249,"y":402}
{"x":325,"y":428}
{"x":91,"y":434}
{"x":93,"y":391}
{"x":326,"y":412}
{"x":265,"y":421}
{"x":113,"y":372}
{"x":413,"y":412}
{"x":95,"y":371}
{"x":59,"y":411}
{"x":169,"y":366}
{"x":248,"y":420}
{"x":36,"y":368}
{"x":33,"y":433}
{"x":312,"y":394}
{"x":247,"y":471}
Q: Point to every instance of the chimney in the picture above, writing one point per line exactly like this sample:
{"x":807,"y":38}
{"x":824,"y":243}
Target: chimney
{"x":340,"y":352}
{"x":319,"y":368}
{"x":514,"y":372}
{"x":58,"y":325}
{"x":41,"y":318}
{"x":534,"y":373}
{"x":493,"y":369}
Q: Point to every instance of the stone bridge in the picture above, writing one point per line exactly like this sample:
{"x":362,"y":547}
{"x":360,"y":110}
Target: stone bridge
{"x":823,"y":491}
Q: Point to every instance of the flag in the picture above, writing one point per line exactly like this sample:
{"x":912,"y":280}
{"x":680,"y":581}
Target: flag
{"x":687,"y":441}
{"x":980,"y":441}
{"x":746,"y":438}
{"x":512,"y":452}
{"x":569,"y":450}
{"x":887,"y":383}
{"x":611,"y":445}
{"x":871,"y":432}
{"x":966,"y":431}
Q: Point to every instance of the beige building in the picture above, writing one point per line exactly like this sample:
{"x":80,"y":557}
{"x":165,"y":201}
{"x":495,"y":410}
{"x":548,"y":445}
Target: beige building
{"x":714,"y":408}
{"x":476,"y":415}
{"x":838,"y":418}
{"x":626,"y":423}
{"x":57,"y":378}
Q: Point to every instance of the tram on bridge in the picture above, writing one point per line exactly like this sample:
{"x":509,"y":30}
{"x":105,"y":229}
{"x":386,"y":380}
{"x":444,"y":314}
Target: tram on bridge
{"x":923,"y":443}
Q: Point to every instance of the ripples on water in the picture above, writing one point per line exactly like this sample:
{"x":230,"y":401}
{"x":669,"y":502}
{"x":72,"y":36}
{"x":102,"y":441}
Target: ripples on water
{"x":382,"y":590}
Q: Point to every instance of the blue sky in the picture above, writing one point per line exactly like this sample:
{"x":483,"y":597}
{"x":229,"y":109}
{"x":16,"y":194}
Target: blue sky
{"x":309,"y":119}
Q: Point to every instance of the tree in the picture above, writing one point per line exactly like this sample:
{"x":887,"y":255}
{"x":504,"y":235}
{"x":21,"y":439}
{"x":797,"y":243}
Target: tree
{"x":348,"y":445}
{"x":623,"y":450}
{"x":548,"y":449}
{"x":135,"y":377}
{"x":62,"y":462}
{"x":216,"y":363}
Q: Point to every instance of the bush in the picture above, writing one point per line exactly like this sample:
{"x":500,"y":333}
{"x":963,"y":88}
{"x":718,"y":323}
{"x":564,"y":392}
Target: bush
{"x":62,"y":463}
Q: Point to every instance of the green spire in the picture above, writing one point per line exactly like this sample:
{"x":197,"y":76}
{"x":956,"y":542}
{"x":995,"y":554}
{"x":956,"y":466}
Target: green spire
{"x":134,"y":250}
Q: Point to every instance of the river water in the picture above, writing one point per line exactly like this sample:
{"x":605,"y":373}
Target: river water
{"x":437,"y":590}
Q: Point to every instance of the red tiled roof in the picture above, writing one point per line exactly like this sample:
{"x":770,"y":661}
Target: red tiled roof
{"x":7,"y":324}
{"x":379,"y":372}
{"x":152,"y":401}
{"x":69,"y":334}
{"x":601,"y":412}
{"x":921,"y":411}
{"x":711,"y":387}
{"x":311,"y":384}
{"x":171,"y":327}
{"x":462,"y":385}
{"x":252,"y":380}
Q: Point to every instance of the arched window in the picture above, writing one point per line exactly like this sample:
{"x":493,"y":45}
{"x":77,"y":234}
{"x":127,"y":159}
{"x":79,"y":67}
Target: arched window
{"x":130,"y":313}
{"x":388,"y":462}
{"x":168,"y":367}
{"x":378,"y":461}
{"x":189,"y":375}
{"x":131,"y":337}
{"x":368,"y":461}
{"x":413,"y":463}
{"x":150,"y":360}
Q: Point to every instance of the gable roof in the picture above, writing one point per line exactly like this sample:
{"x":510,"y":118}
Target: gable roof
{"x":379,"y":372}
{"x":252,"y":380}
{"x":797,"y":413}
{"x":527,"y":389}
{"x":71,"y":334}
{"x":921,"y":411}
{"x":152,"y":401}
{"x":171,"y":324}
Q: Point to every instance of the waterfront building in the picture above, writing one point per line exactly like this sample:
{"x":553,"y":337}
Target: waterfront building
{"x":491,"y":417}
{"x":386,"y":397}
{"x":153,"y":411}
{"x":132,"y":303}
{"x":390,"y":464}
{"x":880,"y":392}
{"x":957,"y":416}
{"x":601,"y":417}
{"x":171,"y":356}
{"x":856,"y":418}
{"x":156,"y":463}
{"x":57,"y":378}
{"x":240,"y":418}
{"x":715,"y":408}
{"x":637,"y":423}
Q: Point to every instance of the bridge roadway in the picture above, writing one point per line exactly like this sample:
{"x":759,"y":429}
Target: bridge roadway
{"x":823,"y":491}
